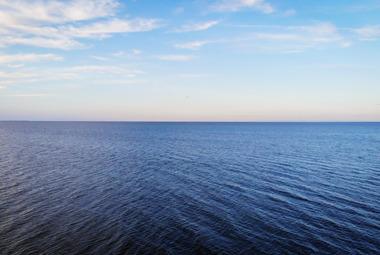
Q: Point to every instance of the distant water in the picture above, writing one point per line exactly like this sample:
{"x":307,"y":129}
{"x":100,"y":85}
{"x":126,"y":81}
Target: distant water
{"x":189,"y":188}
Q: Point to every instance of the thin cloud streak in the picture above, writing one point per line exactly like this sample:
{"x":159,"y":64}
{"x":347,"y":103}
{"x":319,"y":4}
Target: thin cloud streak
{"x":176,"y":58}
{"x":195,"y":27}
{"x":238,"y":5}
{"x":368,"y":32}
{"x":74,"y":73}
{"x":54,"y":24}
{"x":291,"y":39}
{"x":280,"y":39}
{"x":17,"y":12}
{"x":193,"y":45}
{"x":30,"y":57}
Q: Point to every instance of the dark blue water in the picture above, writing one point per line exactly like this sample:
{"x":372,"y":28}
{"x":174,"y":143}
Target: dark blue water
{"x":188,"y":188}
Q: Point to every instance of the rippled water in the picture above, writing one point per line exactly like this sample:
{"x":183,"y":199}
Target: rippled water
{"x":188,"y":188}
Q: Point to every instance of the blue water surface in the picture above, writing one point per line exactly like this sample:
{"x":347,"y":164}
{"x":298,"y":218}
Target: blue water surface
{"x":189,"y":188}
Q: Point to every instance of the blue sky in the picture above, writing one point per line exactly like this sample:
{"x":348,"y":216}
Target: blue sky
{"x":217,"y":60}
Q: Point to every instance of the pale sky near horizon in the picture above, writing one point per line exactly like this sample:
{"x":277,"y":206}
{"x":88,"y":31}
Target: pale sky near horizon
{"x":216,"y":60}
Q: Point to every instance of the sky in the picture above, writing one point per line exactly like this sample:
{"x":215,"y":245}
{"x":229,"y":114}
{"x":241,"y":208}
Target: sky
{"x":190,"y":60}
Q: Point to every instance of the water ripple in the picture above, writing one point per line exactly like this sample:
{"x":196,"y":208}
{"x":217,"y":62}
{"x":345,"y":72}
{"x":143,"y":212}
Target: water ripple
{"x":189,"y":188}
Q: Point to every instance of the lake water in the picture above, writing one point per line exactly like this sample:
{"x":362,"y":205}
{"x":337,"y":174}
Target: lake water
{"x":189,"y":188}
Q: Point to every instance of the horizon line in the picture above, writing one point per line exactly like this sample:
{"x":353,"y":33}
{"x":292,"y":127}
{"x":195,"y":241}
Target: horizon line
{"x":198,"y":121}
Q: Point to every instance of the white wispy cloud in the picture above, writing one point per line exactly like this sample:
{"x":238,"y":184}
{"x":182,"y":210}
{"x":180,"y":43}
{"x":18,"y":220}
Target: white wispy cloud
{"x":103,"y":69}
{"x":136,"y":51}
{"x":31,"y":57}
{"x":237,"y":5}
{"x":16,"y":12}
{"x":106,"y":28}
{"x":368,"y":32}
{"x":133,"y":52}
{"x":176,"y":58}
{"x":37,"y":41}
{"x":323,"y":32}
{"x":291,"y":39}
{"x":78,"y":74}
{"x":99,"y":58}
{"x":9,"y":78}
{"x":193,"y":45}
{"x":15,"y":65}
{"x":199,"y":26}
{"x":60,"y":24}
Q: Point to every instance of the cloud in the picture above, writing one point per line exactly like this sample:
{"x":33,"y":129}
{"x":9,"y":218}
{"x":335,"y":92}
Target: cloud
{"x":237,"y":5}
{"x":99,"y":58}
{"x":8,"y":78}
{"x":136,"y":51}
{"x":16,"y":12}
{"x":176,"y":58}
{"x":368,"y":32}
{"x":31,"y":57}
{"x":61,"y":24}
{"x":104,"y":29}
{"x":15,"y":65}
{"x":43,"y":42}
{"x":103,"y":70}
{"x":291,"y":39}
{"x":322,"y":32}
{"x":130,"y":53}
{"x":200,"y":26}
{"x":193,"y":45}
{"x":79,"y":73}
{"x":318,"y":33}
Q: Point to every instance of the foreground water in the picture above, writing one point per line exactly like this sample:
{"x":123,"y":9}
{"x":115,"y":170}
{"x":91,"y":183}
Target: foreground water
{"x":189,"y":188}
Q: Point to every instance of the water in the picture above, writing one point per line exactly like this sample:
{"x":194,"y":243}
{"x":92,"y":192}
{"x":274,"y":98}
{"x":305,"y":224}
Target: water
{"x":189,"y":188}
